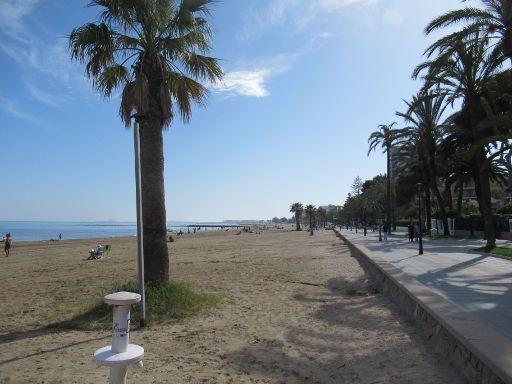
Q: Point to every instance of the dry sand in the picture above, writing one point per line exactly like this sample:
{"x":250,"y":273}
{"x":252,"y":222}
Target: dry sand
{"x":299,"y":309}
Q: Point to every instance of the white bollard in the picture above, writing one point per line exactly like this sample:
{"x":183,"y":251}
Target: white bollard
{"x":121,"y":353}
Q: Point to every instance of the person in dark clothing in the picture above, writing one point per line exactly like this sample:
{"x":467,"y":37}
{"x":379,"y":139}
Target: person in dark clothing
{"x":7,"y":244}
{"x":410,"y":229}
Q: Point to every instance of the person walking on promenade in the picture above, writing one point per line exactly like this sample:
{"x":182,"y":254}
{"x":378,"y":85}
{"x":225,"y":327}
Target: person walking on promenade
{"x":8,"y":244}
{"x":416,"y":232}
{"x":410,"y":230}
{"x":385,"y":231}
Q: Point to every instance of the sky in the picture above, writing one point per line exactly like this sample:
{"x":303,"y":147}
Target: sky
{"x":306,"y":82}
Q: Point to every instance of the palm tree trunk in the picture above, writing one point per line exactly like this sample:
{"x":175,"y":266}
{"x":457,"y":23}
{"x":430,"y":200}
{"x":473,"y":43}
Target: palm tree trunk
{"x":460,"y":192}
{"x":481,"y":168}
{"x":156,"y":256}
{"x":425,"y":174}
{"x":297,"y":220}
{"x":485,"y":204}
{"x":437,"y":194}
{"x":388,"y":189}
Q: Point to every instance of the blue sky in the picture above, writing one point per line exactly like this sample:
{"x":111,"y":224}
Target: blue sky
{"x":306,"y":83}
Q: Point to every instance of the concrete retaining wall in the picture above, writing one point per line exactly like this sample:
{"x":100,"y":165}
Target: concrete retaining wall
{"x":477,"y":352}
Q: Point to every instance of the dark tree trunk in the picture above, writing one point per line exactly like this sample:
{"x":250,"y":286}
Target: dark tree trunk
{"x":388,"y":189}
{"x":433,"y":182}
{"x":297,"y":220}
{"x":448,"y":197}
{"x":460,"y":192}
{"x":481,"y":170}
{"x":425,"y":174}
{"x":156,"y":256}
{"x":440,"y":203}
{"x":393,"y":207}
{"x":484,"y":200}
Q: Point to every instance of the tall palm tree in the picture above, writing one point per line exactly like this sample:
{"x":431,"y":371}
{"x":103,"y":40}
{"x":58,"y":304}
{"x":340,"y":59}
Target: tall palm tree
{"x":322,"y":216}
{"x":423,"y":117}
{"x":493,"y":22}
{"x":154,"y":50}
{"x":298,"y":209}
{"x":385,"y":136}
{"x":310,"y":211}
{"x":463,"y":70}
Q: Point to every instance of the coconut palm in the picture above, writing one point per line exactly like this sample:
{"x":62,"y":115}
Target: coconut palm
{"x":463,"y":71}
{"x":310,"y":211}
{"x":385,"y":136}
{"x":298,"y":209}
{"x":154,"y":51}
{"x":493,"y":22}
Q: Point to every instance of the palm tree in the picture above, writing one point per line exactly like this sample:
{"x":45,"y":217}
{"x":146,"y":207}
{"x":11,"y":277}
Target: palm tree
{"x":385,"y":136}
{"x":310,"y":211}
{"x":154,"y":50}
{"x":423,"y":115}
{"x":298,"y":209}
{"x":493,"y":22}
{"x":463,"y":70}
{"x":322,"y":216}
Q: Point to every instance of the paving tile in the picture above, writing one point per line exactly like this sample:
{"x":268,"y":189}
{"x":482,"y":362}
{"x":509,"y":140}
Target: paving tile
{"x":476,"y":283}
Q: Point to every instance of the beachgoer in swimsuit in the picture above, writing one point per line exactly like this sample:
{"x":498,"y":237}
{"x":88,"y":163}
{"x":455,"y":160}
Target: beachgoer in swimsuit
{"x":8,"y":244}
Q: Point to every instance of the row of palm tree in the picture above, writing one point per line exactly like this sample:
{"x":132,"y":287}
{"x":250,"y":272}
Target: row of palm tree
{"x":469,"y":68}
{"x":315,"y":215}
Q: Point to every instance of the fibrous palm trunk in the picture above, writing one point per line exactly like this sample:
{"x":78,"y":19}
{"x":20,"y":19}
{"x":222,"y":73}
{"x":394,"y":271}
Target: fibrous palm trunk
{"x":297,"y":220}
{"x":481,"y":174}
{"x":156,"y":256}
{"x":483,"y":190}
{"x":460,"y":192}
{"x":439,"y":198}
{"x":388,"y":189}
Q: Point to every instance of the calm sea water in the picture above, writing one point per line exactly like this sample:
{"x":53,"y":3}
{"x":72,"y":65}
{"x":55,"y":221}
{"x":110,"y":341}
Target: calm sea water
{"x":46,"y":230}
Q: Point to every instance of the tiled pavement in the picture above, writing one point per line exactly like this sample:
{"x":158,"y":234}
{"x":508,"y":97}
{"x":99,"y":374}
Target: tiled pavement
{"x":477,"y":283}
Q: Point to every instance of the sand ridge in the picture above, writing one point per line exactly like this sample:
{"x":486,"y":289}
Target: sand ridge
{"x":298,"y":309}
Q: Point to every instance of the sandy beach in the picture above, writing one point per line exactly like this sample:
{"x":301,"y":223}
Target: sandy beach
{"x":297,"y":309}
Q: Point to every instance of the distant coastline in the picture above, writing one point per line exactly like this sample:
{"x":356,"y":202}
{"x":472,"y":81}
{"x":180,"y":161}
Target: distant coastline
{"x":72,"y":230}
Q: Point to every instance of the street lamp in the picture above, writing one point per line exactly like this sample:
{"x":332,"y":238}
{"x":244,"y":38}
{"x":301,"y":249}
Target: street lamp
{"x":419,"y":188}
{"x":140,"y":232}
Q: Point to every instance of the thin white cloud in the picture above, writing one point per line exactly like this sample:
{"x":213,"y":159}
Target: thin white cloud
{"x":12,"y":13}
{"x":38,"y":50}
{"x":296,"y":13}
{"x":248,"y":83}
{"x":52,"y":99}
{"x":13,"y":109}
{"x":332,"y":5}
{"x":393,"y":17}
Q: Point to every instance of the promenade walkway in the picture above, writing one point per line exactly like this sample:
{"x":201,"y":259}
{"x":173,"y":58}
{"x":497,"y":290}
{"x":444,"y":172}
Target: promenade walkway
{"x":476,"y":283}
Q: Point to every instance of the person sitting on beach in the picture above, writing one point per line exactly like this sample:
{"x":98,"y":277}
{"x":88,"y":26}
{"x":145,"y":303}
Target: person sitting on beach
{"x":180,"y":233}
{"x":95,"y":254}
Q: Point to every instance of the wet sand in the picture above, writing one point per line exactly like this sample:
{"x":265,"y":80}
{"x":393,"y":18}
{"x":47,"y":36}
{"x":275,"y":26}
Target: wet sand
{"x":298,"y":309}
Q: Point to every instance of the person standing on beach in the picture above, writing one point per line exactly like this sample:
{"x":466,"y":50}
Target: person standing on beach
{"x":60,"y":236}
{"x":7,"y":245}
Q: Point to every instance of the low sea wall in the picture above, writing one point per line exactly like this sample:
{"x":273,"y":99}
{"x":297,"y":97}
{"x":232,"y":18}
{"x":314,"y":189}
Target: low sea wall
{"x":475,"y":351}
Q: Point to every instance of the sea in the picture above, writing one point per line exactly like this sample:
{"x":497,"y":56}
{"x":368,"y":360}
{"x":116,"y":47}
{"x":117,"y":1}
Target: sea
{"x":47,"y":230}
